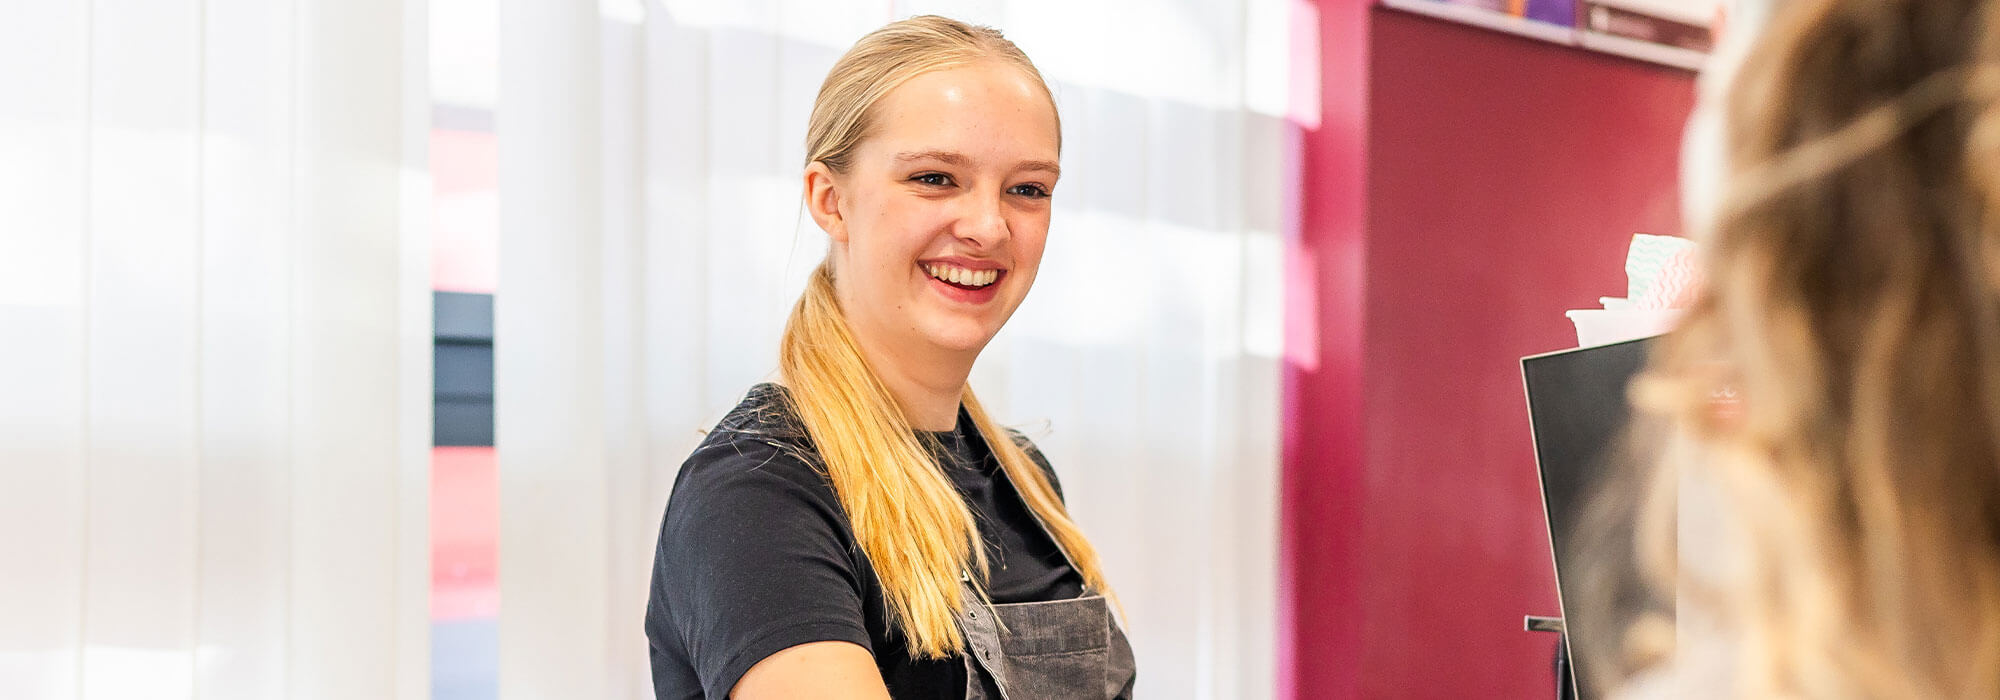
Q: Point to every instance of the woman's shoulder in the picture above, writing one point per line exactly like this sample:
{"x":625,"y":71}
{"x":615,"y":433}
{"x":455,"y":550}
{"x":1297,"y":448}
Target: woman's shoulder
{"x":1027,"y":445}
{"x":765,"y":414}
{"x":764,"y":418}
{"x":1035,"y":454}
{"x":758,"y":449}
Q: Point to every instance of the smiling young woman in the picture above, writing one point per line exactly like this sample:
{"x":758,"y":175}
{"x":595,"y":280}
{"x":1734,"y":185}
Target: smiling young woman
{"x":863,"y":529}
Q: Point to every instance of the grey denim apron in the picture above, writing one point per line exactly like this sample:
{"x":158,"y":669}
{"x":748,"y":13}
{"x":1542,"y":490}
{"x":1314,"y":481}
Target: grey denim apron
{"x":1052,"y":649}
{"x":1045,"y":650}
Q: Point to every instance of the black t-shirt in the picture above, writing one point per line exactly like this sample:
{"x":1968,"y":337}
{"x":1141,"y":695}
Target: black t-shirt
{"x":756,"y":555}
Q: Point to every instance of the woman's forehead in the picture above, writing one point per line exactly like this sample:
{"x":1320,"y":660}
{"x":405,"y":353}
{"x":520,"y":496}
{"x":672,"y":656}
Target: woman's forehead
{"x":981,"y":112}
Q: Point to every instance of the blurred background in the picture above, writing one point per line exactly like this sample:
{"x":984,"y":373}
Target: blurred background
{"x":349,"y":349}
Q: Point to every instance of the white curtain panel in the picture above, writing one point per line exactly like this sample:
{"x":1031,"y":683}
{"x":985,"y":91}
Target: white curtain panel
{"x":652,"y":243}
{"x":214,"y":350}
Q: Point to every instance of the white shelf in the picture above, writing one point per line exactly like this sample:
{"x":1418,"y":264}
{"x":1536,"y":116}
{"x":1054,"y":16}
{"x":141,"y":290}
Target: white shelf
{"x":1671,"y":56}
{"x":1466,"y":14}
{"x":1675,"y":56}
{"x":1695,"y":12}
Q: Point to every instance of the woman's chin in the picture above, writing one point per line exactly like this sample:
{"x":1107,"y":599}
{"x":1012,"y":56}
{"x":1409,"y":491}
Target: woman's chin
{"x":960,"y":337}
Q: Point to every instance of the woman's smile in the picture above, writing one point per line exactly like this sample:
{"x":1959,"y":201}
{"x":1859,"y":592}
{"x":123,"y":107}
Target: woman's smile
{"x":963,"y":280}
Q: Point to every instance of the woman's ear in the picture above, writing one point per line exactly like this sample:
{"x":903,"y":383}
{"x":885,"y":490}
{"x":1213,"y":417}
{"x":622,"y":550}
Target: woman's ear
{"x":823,"y":201}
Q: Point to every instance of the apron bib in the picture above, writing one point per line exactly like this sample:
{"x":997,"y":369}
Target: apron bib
{"x":1046,"y":650}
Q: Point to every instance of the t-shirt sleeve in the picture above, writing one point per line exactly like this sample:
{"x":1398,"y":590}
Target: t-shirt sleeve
{"x":753,"y":559}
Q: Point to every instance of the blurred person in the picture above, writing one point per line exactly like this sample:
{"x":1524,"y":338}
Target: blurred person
{"x":1821,"y":516}
{"x":862,"y":528}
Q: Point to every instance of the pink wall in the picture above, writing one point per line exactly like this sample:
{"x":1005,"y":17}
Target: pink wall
{"x":465,"y":533}
{"x":465,"y":212}
{"x":1464,"y":188}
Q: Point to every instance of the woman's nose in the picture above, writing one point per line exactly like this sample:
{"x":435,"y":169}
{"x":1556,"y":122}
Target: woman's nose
{"x":982,"y":221}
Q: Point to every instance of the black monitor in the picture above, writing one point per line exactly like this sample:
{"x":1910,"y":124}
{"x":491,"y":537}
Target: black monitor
{"x":1578,"y":411}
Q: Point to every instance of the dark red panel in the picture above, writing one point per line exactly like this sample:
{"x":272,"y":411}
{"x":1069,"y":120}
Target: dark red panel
{"x":1498,"y":181}
{"x":1320,"y":637}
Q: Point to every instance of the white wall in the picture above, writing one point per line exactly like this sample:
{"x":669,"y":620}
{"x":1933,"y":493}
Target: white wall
{"x":214,"y":350}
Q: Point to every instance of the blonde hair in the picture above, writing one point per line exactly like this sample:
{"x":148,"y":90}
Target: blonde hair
{"x":910,"y":521}
{"x":844,"y":111}
{"x":1854,"y":306}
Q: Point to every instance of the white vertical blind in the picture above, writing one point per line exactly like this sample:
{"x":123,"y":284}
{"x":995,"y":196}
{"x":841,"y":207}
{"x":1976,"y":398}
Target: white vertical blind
{"x":549,"y":364}
{"x":213,"y":351}
{"x":415,"y":340}
{"x":652,"y":244}
{"x":44,"y":141}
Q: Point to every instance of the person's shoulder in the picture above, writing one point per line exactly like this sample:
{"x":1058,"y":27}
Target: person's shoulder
{"x":729,"y":455}
{"x":765,"y":414}
{"x":1035,"y":454}
{"x":1027,"y":445}
{"x":758,"y":445}
{"x":742,"y":485}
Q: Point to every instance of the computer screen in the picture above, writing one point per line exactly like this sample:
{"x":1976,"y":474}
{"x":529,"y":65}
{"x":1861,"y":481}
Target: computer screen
{"x":1578,"y":410}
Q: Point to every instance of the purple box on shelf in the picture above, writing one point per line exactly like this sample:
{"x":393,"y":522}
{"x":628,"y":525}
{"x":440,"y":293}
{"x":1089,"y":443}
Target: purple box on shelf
{"x":1561,"y":12}
{"x":1556,"y":12}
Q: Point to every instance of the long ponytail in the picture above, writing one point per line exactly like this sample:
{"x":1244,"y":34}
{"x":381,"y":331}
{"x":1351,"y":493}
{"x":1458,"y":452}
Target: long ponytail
{"x":910,"y":522}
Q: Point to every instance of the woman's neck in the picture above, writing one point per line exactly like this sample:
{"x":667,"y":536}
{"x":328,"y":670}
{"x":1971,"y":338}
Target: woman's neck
{"x":928,"y":385}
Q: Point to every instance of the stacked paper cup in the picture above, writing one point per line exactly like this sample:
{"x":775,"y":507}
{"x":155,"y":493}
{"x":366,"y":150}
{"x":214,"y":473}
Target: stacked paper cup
{"x":1662,"y":280}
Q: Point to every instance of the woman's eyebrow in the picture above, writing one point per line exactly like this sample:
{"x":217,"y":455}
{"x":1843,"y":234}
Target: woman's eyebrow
{"x":1047,"y":166}
{"x":946,"y":157}
{"x":960,"y":160}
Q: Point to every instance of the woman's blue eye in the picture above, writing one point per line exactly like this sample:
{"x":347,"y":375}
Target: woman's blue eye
{"x":1035,"y":191}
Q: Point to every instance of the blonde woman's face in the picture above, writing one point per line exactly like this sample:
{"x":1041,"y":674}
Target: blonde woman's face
{"x":945,"y":208}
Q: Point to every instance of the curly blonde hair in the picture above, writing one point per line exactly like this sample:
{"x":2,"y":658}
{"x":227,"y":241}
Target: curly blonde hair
{"x":1854,"y":309}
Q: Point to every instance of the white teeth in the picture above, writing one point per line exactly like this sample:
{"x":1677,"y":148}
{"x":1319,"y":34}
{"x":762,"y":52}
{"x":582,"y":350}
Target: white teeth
{"x":960,"y":275}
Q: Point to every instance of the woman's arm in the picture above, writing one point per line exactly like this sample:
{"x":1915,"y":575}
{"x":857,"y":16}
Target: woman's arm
{"x":831,"y":670}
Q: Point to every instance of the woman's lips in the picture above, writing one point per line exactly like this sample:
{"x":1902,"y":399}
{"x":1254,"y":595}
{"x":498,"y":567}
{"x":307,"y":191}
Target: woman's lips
{"x":963,"y":283}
